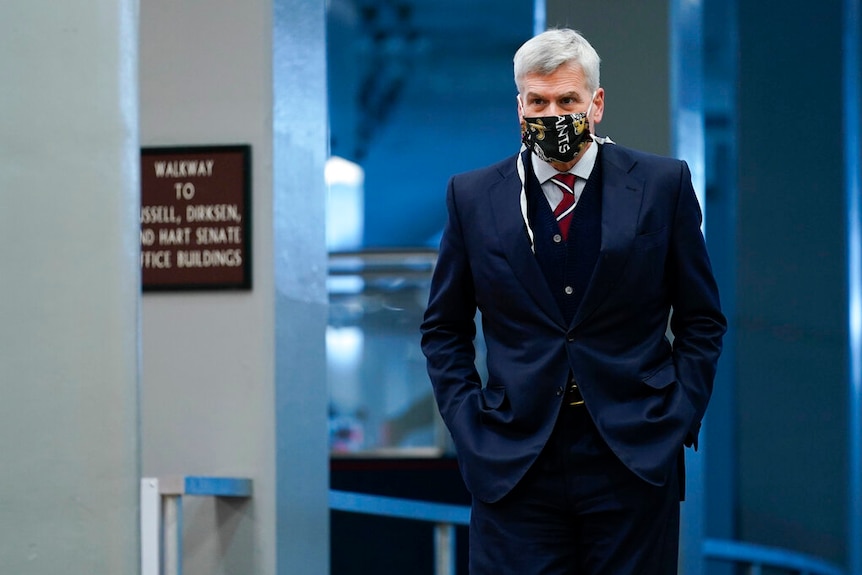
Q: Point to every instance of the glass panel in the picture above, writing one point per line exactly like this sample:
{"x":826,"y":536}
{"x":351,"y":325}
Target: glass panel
{"x":380,"y":395}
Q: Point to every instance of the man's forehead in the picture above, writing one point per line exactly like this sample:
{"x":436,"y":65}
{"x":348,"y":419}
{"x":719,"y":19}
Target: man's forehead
{"x":562,"y":78}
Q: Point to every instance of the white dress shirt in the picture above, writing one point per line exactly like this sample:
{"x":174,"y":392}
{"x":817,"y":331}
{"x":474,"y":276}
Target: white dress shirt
{"x":582,"y":170}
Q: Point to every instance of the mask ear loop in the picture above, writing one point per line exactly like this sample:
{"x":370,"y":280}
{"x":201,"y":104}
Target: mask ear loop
{"x":522,"y":177}
{"x":599,"y":139}
{"x":523,"y":198}
{"x":592,"y":99}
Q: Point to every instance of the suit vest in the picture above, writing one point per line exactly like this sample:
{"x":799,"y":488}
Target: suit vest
{"x":567,"y":265}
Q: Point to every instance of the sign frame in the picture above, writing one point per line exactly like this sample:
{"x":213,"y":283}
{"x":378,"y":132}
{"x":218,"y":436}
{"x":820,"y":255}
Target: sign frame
{"x":203,"y":281}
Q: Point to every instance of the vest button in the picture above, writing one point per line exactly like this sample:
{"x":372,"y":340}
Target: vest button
{"x":557,"y":238}
{"x":569,"y":290}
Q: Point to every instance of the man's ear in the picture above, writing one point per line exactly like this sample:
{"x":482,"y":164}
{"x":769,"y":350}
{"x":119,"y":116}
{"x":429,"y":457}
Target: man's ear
{"x":598,"y":106}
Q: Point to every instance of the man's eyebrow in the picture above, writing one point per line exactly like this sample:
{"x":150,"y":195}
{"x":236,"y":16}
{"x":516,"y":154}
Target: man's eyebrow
{"x":574,"y":95}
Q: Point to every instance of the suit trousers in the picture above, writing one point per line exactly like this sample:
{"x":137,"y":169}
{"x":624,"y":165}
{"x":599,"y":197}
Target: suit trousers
{"x":578,"y":511}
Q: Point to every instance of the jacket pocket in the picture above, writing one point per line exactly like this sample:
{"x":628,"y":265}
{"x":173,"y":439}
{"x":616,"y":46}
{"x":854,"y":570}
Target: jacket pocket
{"x":650,"y":239}
{"x":662,"y":377}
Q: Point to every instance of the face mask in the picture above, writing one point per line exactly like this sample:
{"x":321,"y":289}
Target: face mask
{"x":557,"y":138}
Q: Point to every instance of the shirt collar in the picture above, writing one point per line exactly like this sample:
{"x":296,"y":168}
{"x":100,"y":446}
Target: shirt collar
{"x":545,"y":171}
{"x":522,"y":175}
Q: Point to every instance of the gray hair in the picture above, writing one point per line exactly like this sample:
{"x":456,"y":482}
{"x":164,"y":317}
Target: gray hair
{"x":551,"y":49}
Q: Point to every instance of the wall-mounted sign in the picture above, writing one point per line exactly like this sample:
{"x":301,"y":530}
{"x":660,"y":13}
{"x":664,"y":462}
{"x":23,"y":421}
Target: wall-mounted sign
{"x":196,"y":218}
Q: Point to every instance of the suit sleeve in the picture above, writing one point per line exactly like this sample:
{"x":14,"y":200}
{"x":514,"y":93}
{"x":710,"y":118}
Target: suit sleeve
{"x":697,"y":323}
{"x":448,"y":329}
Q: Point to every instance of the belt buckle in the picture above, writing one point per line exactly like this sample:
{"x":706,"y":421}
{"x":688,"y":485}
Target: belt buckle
{"x":575,"y":395}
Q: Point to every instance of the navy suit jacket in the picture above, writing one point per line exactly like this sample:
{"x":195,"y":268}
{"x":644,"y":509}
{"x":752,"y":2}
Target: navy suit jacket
{"x":646,"y":394}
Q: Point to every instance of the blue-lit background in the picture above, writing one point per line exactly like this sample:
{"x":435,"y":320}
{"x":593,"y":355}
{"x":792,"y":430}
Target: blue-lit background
{"x":421,"y":90}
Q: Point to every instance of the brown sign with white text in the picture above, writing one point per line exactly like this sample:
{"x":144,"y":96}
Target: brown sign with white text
{"x":195,"y":220}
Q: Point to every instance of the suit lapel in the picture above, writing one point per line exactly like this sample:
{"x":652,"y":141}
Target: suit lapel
{"x":505,"y":201}
{"x":621,"y":201}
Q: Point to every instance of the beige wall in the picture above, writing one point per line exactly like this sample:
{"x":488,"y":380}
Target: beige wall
{"x":210,"y":400}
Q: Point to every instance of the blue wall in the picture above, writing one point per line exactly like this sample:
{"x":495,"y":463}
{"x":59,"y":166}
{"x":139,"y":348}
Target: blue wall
{"x":790,"y":264}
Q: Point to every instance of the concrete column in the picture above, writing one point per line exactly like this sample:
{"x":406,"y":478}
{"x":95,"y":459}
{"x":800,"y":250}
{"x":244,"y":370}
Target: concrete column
{"x":791,"y":269}
{"x":300,"y":149}
{"x":70,"y":287}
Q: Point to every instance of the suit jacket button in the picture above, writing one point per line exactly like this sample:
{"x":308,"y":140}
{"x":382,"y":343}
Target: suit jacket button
{"x":569,"y":290}
{"x":559,"y":391}
{"x":557,"y":238}
{"x":570,"y":337}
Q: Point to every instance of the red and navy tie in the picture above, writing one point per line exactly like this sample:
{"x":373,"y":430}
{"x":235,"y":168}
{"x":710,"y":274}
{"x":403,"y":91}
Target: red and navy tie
{"x":563,"y":211}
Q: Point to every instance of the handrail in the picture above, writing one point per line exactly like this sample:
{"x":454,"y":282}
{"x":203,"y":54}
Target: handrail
{"x":765,"y":556}
{"x":162,"y":516}
{"x":401,"y":508}
{"x":445,"y":516}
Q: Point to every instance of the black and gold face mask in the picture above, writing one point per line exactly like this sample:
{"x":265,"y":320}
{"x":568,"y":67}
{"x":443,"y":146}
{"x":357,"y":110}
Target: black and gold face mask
{"x":556,"y":138}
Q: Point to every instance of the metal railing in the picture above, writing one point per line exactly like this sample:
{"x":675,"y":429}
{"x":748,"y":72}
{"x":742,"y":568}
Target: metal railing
{"x":162,"y":516}
{"x":756,"y":557}
{"x":446,"y":517}
{"x":161,"y":527}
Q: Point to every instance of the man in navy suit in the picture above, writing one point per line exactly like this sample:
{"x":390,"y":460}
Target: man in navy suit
{"x":578,"y":254}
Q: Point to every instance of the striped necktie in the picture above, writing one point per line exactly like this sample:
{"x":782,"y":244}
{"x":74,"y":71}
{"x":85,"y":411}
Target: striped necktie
{"x":563,"y":211}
